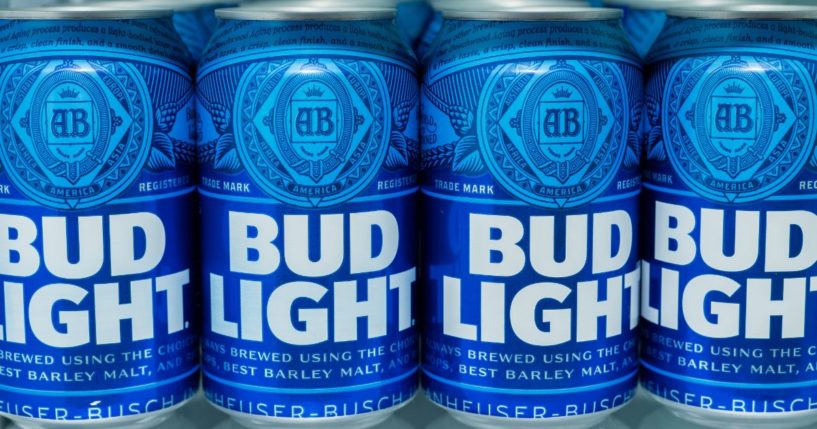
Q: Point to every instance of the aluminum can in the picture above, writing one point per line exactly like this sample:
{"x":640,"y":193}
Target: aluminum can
{"x":729,"y":217}
{"x":309,"y":160}
{"x":531,"y":182}
{"x":98,"y":326}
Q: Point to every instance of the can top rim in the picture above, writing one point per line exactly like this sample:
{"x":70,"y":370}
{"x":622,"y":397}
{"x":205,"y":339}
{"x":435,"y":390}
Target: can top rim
{"x":256,"y":13}
{"x":184,"y":6}
{"x":83,"y":13}
{"x":750,"y":11}
{"x":536,"y":14}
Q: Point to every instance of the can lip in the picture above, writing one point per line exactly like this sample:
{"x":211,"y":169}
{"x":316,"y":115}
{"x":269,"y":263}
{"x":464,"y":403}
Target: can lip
{"x":668,"y":4}
{"x":174,"y":5}
{"x":84,"y":13}
{"x":506,"y":4}
{"x":272,"y":13}
{"x":749,"y":12}
{"x":536,"y":14}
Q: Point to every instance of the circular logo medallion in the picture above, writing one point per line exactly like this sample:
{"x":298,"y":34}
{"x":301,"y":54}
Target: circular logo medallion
{"x":738,"y":129}
{"x":313,"y":132}
{"x":76,"y":134}
{"x":554,"y":133}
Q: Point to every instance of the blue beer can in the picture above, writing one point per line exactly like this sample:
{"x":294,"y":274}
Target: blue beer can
{"x":98,"y":322}
{"x":309,"y":162}
{"x":730,"y":217}
{"x":531,"y":182}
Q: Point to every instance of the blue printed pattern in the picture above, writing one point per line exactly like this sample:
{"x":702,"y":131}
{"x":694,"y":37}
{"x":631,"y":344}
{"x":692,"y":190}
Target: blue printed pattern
{"x":523,"y":135}
{"x":736,"y":136}
{"x":728,"y":204}
{"x":643,"y":26}
{"x":196,"y":27}
{"x":93,"y":137}
{"x":291,"y":129}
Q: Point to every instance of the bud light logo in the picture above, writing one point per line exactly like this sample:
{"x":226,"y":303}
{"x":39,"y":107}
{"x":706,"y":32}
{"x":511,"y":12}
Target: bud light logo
{"x":554,"y":135}
{"x":738,"y":128}
{"x":76,"y":134}
{"x":313,"y":132}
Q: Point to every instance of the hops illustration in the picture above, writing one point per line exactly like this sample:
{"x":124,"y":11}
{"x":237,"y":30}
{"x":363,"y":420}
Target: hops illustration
{"x":461,"y":119}
{"x":467,"y":159}
{"x":401,"y":115}
{"x":165,"y":118}
{"x":226,"y":155}
{"x":398,"y":151}
{"x":221,"y":118}
{"x":162,"y":154}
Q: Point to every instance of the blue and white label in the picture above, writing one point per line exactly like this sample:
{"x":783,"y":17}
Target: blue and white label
{"x":309,"y":193}
{"x":80,"y":130}
{"x":97,"y":312}
{"x":531,"y":221}
{"x":740,"y":137}
{"x":546,"y":128}
{"x":320,"y":128}
{"x":730,"y":220}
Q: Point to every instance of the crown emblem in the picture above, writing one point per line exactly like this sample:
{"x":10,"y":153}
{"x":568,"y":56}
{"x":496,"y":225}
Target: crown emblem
{"x":314,"y":64}
{"x":69,"y":93}
{"x":734,"y":88}
{"x":315,"y":91}
{"x":562,"y":93}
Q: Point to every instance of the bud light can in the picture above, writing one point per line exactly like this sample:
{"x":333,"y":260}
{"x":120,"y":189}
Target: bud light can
{"x":730,"y":217}
{"x":309,"y":160}
{"x":530,"y":217}
{"x":97,"y":302}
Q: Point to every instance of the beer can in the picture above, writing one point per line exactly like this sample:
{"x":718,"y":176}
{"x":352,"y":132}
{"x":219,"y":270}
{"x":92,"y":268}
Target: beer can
{"x":97,"y":314}
{"x":729,"y":217}
{"x":531,"y":182}
{"x":309,"y":160}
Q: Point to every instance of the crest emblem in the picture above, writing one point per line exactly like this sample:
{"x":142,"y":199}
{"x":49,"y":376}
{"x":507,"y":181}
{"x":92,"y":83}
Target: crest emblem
{"x":738,"y":129}
{"x":554,"y":133}
{"x":313,"y":132}
{"x":75,"y":133}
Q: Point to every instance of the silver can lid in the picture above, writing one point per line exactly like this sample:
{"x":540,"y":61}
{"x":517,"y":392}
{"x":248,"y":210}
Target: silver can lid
{"x":84,"y":13}
{"x":292,"y":13}
{"x":322,"y":4}
{"x":504,"y":4}
{"x":174,"y":5}
{"x":555,"y":13}
{"x":749,"y":12}
{"x":670,"y":4}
